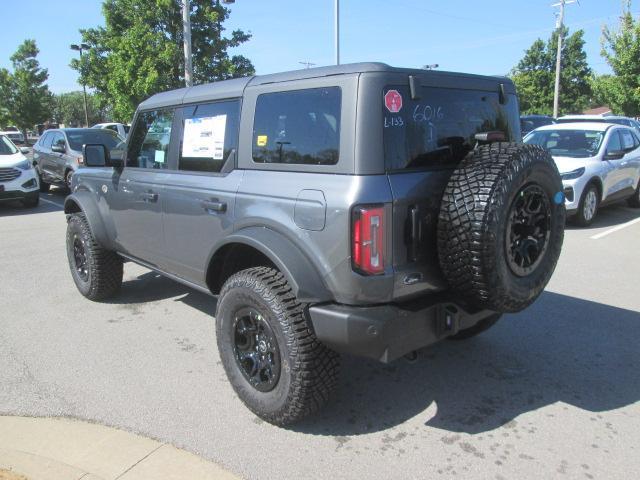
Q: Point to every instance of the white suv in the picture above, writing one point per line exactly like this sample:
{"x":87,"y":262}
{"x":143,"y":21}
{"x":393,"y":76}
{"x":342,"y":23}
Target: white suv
{"x":18,"y":178}
{"x":599,"y":164}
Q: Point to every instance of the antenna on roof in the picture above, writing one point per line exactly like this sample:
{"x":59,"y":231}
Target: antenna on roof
{"x":307,"y":64}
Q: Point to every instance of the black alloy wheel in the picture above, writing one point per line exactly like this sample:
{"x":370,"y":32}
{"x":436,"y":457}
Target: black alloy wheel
{"x":528,"y":230}
{"x":80,"y":258}
{"x":256,"y":349}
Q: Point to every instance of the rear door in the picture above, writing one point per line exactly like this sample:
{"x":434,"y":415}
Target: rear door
{"x":57,"y":160}
{"x":199,"y":198}
{"x":424,"y":139}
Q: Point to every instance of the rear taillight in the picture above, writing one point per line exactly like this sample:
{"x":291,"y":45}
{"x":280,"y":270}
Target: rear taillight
{"x":367,"y":239}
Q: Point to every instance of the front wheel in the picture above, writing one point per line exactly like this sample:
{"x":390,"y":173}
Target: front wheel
{"x":271,"y":356}
{"x":97,"y":272}
{"x":588,"y":206}
{"x":44,"y":186}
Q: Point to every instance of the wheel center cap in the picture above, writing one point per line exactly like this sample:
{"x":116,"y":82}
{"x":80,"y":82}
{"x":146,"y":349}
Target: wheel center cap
{"x":262,"y":346}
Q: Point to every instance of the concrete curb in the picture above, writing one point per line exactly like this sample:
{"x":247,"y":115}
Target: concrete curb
{"x":64,"y":449}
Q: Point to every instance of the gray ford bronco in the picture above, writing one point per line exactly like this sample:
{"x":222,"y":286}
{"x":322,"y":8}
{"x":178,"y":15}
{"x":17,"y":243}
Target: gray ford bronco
{"x":360,"y":209}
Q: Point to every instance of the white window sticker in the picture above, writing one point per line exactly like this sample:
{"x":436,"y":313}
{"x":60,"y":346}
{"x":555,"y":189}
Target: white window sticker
{"x":159,"y":158}
{"x":204,"y":137}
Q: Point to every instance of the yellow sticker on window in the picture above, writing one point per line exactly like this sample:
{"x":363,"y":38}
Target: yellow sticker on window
{"x":261,"y":141}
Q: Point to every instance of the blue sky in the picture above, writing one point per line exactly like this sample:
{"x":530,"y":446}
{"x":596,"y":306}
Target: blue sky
{"x":478,"y":36}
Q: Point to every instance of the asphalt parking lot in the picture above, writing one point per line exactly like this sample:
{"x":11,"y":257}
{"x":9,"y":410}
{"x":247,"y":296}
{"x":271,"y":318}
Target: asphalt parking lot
{"x":552,"y":392}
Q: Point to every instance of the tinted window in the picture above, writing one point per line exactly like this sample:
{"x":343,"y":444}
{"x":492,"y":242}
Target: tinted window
{"x":78,"y":138}
{"x":439,"y":128}
{"x":567,"y":143}
{"x":298,"y":127}
{"x":150,"y":140}
{"x":628,"y":140}
{"x":58,"y":139}
{"x":210,"y":133}
{"x":112,"y":127}
{"x":126,"y":128}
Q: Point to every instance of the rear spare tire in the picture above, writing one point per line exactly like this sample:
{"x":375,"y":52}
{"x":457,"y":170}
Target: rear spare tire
{"x":501,"y":226}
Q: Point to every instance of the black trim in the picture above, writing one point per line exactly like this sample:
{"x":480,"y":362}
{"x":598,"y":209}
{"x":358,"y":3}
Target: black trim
{"x":618,"y":196}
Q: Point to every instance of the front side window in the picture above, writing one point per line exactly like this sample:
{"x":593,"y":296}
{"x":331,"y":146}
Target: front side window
{"x":45,"y":142}
{"x":209,"y":135}
{"x":628,"y":141}
{"x":58,"y":140}
{"x":439,"y":128}
{"x":78,"y":138}
{"x":298,"y":127}
{"x":149,"y":144}
{"x":614,"y":144}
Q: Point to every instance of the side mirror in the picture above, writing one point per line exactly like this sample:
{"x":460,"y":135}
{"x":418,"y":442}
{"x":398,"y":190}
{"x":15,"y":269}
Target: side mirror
{"x":614,"y":155}
{"x":24,"y":150}
{"x":95,"y":155}
{"x":58,"y":149}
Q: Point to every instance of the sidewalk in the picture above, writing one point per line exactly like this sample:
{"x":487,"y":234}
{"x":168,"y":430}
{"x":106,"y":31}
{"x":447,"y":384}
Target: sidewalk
{"x":64,"y":449}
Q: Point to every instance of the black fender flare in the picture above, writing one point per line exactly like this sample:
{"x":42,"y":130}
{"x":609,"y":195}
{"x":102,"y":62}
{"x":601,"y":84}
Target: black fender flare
{"x":85,"y":202}
{"x":302,"y":275}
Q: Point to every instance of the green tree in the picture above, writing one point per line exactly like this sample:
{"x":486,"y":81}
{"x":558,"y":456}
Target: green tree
{"x":534,"y":75}
{"x":139,"y":51}
{"x":28,"y":99}
{"x":621,"y":49}
{"x":68,"y":108}
{"x":5,"y":88}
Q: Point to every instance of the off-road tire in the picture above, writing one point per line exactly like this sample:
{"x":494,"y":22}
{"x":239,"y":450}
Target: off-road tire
{"x":473,"y":222}
{"x":579,"y":217}
{"x":308,"y":369}
{"x":482,"y":326}
{"x":104,"y":267}
{"x":634,"y":200}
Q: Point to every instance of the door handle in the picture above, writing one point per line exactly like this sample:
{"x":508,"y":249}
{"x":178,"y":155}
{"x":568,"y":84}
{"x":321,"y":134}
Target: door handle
{"x":214,"y":206}
{"x":150,"y":197}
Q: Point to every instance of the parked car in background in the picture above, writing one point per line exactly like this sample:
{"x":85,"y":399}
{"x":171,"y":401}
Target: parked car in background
{"x":15,"y":136}
{"x":120,"y":128}
{"x":626,"y":121}
{"x":58,"y":153}
{"x":599,"y":164}
{"x":18,"y":178}
{"x":529,"y":123}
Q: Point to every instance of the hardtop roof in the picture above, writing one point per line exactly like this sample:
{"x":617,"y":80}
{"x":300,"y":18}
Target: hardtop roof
{"x":235,"y":87}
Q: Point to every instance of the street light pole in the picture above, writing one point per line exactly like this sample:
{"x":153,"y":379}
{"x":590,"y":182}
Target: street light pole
{"x":186,"y":23}
{"x":79,"y":48}
{"x":337,"y":30}
{"x":560,"y":27}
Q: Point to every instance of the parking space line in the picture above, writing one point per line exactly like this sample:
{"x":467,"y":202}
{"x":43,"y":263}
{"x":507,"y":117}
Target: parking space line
{"x":52,"y":203}
{"x":615,"y":229}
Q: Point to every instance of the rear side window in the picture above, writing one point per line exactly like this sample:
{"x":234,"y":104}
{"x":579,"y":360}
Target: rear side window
{"x":438,"y":129}
{"x":149,"y":144}
{"x":298,"y":127}
{"x":209,"y":135}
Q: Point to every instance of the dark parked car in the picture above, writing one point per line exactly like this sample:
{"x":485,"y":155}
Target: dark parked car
{"x":528,"y":123}
{"x":58,"y":153}
{"x":361,"y":209}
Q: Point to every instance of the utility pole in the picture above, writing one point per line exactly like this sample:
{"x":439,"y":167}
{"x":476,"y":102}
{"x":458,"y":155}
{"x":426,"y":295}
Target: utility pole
{"x":186,"y":23}
{"x":560,"y":28}
{"x":337,"y":30}
{"x":80,"y":48}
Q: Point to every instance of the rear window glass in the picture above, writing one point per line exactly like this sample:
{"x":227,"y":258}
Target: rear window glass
{"x":298,"y":127}
{"x":77,"y":139}
{"x":439,"y":128}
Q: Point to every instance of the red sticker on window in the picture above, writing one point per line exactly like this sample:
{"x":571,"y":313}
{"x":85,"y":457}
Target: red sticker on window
{"x":393,"y":101}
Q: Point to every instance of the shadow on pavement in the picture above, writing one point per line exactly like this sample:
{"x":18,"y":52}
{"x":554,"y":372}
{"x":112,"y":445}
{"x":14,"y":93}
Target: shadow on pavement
{"x":15,"y":208}
{"x":609,"y":216}
{"x":562,"y":349}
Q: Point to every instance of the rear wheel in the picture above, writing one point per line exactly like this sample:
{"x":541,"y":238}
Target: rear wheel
{"x":67,"y":178}
{"x":97,"y":272}
{"x":270,"y":354}
{"x":588,"y":206}
{"x":501,"y":226}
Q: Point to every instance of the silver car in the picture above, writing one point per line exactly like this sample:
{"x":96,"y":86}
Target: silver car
{"x":599,"y":164}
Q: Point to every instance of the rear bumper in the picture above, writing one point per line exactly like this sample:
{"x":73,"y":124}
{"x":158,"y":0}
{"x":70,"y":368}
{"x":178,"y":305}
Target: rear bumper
{"x":386,"y":332}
